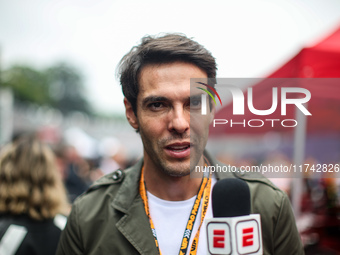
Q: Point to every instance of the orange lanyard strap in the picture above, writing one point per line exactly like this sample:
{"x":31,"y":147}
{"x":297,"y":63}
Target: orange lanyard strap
{"x":142,"y":191}
{"x":203,"y":191}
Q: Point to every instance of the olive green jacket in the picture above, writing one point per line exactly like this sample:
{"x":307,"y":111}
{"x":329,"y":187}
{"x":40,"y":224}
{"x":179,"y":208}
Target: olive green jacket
{"x":110,"y":218}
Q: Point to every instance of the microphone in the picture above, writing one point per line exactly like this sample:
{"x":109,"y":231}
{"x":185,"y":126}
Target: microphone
{"x":230,"y":198}
{"x":233,"y":230}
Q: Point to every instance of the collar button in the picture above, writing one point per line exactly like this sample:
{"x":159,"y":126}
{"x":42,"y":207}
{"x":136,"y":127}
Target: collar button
{"x":117,"y":175}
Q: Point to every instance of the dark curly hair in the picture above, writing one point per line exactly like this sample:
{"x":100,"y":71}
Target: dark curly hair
{"x":159,"y":50}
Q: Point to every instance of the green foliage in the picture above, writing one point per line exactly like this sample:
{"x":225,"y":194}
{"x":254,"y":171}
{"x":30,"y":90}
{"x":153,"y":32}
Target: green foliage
{"x":59,"y":86}
{"x":66,"y":88}
{"x":27,"y":84}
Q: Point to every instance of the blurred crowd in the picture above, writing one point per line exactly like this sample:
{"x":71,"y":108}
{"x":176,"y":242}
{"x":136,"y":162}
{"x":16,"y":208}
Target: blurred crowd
{"x":78,"y":161}
{"x":82,"y":160}
{"x":319,"y":217}
{"x":41,"y":176}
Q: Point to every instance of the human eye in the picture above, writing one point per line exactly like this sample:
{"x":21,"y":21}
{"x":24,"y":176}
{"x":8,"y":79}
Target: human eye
{"x":156,"y":106}
{"x":195,"y":103}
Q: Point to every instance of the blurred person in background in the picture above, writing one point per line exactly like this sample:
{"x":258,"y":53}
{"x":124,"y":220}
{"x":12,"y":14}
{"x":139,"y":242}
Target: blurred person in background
{"x":75,"y":170}
{"x":33,"y":200}
{"x":113,"y":155}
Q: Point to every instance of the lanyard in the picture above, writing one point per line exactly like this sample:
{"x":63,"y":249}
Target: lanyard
{"x":203,"y":191}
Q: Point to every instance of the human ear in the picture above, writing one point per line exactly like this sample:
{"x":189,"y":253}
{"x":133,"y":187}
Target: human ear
{"x":130,"y":115}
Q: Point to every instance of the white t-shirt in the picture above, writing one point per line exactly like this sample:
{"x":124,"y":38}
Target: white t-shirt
{"x":170,"y":219}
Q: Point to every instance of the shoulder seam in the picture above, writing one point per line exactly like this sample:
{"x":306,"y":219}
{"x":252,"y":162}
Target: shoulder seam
{"x":265,"y":181}
{"x":115,"y":177}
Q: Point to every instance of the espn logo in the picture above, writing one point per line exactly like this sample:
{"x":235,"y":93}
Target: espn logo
{"x":238,"y":235}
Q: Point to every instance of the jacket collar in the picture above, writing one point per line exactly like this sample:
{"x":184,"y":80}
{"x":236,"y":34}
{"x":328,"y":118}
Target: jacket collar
{"x":129,"y":189}
{"x":214,"y":162}
{"x":134,"y":225}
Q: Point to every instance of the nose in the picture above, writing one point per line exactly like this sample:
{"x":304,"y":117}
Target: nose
{"x":179,"y":121}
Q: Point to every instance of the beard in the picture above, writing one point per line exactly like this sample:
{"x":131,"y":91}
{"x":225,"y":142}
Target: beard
{"x":173,"y":167}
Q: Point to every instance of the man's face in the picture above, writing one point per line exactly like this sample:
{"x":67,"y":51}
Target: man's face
{"x":163,"y":118}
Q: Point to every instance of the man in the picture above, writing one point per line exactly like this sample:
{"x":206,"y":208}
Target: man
{"x":147,"y":209}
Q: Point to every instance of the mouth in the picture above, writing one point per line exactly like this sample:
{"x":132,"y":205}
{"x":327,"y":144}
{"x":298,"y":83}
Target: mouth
{"x":178,"y":150}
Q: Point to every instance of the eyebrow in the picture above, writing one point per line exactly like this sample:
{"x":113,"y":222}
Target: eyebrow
{"x":195,"y":97}
{"x":152,"y":99}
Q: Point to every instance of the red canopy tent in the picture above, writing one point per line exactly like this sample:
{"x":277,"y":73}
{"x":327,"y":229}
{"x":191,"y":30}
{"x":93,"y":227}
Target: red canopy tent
{"x":319,"y":61}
